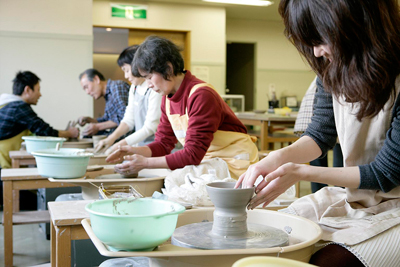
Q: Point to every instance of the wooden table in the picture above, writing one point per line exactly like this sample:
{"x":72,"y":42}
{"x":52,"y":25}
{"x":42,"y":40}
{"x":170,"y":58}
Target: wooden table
{"x":267,"y":121}
{"x":65,"y":224}
{"x":148,"y":181}
{"x":21,"y":179}
{"x":21,"y":158}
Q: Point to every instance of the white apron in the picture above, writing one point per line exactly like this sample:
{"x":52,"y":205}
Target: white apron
{"x":351,"y":216}
{"x":141,"y":104}
{"x":236,"y":149}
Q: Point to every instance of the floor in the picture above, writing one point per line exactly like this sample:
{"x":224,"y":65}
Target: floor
{"x":30,"y":246}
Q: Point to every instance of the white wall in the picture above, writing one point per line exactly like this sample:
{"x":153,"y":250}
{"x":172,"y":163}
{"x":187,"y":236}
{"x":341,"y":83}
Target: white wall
{"x":53,"y":39}
{"x":277,"y":61}
{"x":206,"y":24}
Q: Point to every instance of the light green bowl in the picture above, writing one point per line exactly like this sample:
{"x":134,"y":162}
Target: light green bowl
{"x":34,"y":143}
{"x":63,"y":164}
{"x":133,"y":224}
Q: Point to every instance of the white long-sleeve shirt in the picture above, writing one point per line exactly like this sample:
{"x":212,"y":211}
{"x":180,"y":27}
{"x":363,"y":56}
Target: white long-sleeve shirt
{"x":152,"y":117}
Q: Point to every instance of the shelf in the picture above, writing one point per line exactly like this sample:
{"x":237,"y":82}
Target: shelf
{"x":27,"y":217}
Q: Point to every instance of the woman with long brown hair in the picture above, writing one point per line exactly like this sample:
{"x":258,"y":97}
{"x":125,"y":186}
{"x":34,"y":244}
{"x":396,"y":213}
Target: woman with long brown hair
{"x":354,"y":48}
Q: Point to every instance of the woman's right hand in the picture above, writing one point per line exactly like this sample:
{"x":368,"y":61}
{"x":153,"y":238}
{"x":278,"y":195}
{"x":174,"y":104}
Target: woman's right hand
{"x":263,"y":168}
{"x":278,"y":175}
{"x":103,"y":145}
{"x":114,"y":147}
{"x":119,"y":154}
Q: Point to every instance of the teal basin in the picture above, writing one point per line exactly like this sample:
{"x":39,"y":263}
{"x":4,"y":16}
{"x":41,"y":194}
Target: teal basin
{"x":34,"y":143}
{"x":133,"y":224}
{"x":63,"y":163}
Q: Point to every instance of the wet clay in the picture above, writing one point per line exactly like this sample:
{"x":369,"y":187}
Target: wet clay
{"x":131,"y":175}
{"x":230,"y":216}
{"x":229,"y":230}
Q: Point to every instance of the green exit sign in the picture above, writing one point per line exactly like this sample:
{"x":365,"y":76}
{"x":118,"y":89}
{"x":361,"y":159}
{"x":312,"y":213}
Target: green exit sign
{"x":128,"y":11}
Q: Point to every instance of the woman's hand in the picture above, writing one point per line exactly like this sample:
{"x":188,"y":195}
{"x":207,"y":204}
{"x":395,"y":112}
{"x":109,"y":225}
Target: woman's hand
{"x":276,"y":183}
{"x":263,"y":168}
{"x":131,"y":165}
{"x":114,"y":147}
{"x":119,"y":154}
{"x":104,"y":144}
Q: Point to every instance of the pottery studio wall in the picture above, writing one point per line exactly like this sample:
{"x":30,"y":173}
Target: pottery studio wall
{"x":277,"y":61}
{"x":278,"y":64}
{"x":54,"y":41}
{"x":206,"y":26}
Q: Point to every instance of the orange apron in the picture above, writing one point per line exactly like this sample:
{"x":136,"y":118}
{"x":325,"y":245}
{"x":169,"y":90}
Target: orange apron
{"x":236,"y":149}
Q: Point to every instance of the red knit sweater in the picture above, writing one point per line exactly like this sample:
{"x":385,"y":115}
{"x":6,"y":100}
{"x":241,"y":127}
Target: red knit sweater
{"x":207,"y":113}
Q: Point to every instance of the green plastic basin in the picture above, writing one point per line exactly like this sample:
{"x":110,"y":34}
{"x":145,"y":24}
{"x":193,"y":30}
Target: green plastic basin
{"x":34,"y":143}
{"x":133,"y":224}
{"x":63,"y":163}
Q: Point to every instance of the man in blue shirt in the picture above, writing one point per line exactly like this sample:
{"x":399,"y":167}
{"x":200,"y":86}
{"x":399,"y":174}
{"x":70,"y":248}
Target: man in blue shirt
{"x":116,"y":95}
{"x":17,"y":117}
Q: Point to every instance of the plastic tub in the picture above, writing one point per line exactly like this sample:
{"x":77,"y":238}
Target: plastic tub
{"x":64,"y":163}
{"x":34,"y":143}
{"x":133,"y":224}
{"x":267,"y":261}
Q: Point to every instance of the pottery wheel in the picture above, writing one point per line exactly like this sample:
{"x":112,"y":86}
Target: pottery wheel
{"x":199,"y":235}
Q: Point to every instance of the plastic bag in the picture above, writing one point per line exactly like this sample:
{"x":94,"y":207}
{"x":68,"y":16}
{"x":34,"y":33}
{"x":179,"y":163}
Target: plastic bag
{"x":189,"y":183}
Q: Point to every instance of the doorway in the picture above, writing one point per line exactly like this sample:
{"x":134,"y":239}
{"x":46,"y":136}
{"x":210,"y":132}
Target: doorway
{"x":108,"y":43}
{"x":240,"y":71}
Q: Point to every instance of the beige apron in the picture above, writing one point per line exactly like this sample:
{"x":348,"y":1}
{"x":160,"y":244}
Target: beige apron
{"x":350,"y":216}
{"x":10,"y":144}
{"x":236,"y":149}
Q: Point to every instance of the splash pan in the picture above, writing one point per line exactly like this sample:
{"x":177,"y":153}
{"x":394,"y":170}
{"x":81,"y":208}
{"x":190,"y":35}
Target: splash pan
{"x":199,"y":235}
{"x":303,"y":235}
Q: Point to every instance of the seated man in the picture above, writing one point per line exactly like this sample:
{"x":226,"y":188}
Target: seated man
{"x":18,"y":119}
{"x":116,"y":95}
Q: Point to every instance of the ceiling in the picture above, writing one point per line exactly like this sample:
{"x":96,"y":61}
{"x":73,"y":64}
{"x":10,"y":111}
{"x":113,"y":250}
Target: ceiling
{"x":233,"y":11}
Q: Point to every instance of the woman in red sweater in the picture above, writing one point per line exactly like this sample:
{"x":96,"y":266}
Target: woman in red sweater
{"x":192,"y":112}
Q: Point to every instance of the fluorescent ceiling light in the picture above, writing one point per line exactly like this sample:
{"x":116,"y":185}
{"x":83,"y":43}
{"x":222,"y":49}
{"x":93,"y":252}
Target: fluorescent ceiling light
{"x":243,"y":2}
{"x":108,"y":29}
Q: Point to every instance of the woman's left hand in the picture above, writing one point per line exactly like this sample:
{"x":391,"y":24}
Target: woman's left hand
{"x":132,"y":164}
{"x":276,"y":183}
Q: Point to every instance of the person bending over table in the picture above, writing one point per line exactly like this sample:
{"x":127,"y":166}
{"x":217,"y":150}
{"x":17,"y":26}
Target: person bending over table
{"x":142,"y":113}
{"x":354,"y":47}
{"x":116,"y":95}
{"x":192,"y":112}
{"x":18,"y":119}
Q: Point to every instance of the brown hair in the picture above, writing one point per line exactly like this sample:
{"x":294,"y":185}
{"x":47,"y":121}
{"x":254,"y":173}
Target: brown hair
{"x":364,"y":38}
